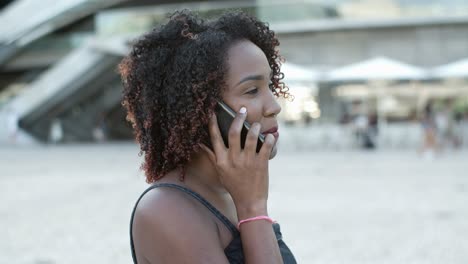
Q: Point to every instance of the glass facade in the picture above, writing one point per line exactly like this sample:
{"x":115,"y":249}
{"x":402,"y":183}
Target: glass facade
{"x":138,"y":20}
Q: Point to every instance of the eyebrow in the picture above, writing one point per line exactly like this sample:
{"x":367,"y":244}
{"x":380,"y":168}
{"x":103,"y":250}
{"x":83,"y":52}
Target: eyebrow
{"x":251,"y":78}
{"x":257,"y":77}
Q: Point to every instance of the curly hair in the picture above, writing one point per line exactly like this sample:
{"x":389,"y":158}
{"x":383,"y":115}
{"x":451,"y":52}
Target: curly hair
{"x":173,"y":77}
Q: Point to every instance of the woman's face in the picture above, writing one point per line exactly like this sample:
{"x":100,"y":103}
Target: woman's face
{"x":248,"y":80}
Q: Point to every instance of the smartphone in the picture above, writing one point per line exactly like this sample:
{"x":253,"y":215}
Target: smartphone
{"x":225,"y":115}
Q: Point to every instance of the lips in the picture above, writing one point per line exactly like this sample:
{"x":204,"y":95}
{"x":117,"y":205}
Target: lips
{"x":273,"y":131}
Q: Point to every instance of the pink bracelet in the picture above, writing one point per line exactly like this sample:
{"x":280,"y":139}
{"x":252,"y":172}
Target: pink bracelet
{"x":261,"y":217}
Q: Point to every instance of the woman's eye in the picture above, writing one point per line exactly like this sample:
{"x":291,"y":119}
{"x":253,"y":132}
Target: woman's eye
{"x":253,"y":91}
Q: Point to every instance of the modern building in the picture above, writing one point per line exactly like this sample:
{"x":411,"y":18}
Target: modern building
{"x":57,"y":66}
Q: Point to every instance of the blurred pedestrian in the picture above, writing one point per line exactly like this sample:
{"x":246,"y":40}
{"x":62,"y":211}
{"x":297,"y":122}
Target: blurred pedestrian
{"x":372,"y":130}
{"x":445,"y":125}
{"x":429,"y":127}
{"x":100,"y":128}
{"x":207,"y":202}
{"x":464,"y":129}
{"x":56,"y":131}
{"x":12,"y":125}
{"x":457,"y":130}
{"x":360,"y":124}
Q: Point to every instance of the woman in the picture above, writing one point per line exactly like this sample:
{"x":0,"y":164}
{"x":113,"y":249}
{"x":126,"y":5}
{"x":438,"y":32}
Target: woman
{"x":172,"y":79}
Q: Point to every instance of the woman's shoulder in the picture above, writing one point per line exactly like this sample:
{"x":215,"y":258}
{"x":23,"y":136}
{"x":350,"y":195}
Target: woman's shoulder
{"x":167,"y":204}
{"x":166,"y":221}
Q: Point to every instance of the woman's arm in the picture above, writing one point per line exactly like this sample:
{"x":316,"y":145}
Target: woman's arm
{"x":258,"y":238}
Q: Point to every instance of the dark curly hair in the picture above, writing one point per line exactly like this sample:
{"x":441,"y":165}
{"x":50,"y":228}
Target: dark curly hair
{"x":173,"y":77}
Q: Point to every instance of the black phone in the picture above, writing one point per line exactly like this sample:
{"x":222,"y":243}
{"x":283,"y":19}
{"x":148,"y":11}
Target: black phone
{"x":225,"y":115}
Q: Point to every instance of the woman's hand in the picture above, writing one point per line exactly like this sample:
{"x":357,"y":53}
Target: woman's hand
{"x":243,"y":172}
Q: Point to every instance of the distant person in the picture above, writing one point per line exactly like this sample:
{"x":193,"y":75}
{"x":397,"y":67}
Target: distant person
{"x":372,"y":131}
{"x":445,"y":125}
{"x":12,"y":125}
{"x":464,"y":129}
{"x":100,"y":129}
{"x":360,"y":126}
{"x":458,"y":130}
{"x":344,"y":119}
{"x":56,"y":131}
{"x":207,"y":203}
{"x":429,"y":127}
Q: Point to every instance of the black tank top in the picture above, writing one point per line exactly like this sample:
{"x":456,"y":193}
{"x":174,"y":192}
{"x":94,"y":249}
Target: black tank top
{"x":233,"y":251}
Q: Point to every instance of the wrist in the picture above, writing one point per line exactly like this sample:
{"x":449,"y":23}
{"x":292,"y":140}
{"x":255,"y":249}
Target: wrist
{"x":257,"y":218}
{"x":249,"y":210}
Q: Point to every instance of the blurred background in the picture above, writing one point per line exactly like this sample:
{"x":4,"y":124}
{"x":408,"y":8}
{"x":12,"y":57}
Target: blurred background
{"x":376,"y":139}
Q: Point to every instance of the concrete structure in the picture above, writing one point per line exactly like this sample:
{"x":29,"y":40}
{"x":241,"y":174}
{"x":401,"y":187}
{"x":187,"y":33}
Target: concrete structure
{"x":424,"y":42}
{"x":45,"y":78}
{"x":54,"y":69}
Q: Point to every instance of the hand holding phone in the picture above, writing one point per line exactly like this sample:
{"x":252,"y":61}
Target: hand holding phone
{"x":244,"y":174}
{"x":225,"y":115}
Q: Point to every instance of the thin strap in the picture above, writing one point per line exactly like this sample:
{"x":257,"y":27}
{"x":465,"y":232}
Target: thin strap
{"x":195,"y":195}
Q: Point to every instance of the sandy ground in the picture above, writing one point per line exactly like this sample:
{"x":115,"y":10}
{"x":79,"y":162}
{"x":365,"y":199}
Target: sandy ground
{"x":71,"y":204}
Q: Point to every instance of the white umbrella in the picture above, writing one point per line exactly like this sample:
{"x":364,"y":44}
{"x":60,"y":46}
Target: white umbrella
{"x":379,"y":68}
{"x":452,"y":70}
{"x":294,"y":72}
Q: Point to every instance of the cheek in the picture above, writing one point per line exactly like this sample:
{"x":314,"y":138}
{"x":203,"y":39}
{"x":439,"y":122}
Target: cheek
{"x":254,"y":112}
{"x":254,"y":108}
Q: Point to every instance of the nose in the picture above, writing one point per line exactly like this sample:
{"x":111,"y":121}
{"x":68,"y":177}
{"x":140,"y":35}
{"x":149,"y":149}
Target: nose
{"x":272,"y":107}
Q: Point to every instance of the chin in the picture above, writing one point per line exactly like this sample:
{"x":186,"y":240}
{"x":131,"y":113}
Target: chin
{"x":273,"y":152}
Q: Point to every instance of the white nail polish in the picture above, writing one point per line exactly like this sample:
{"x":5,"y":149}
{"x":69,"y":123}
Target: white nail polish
{"x":243,"y":110}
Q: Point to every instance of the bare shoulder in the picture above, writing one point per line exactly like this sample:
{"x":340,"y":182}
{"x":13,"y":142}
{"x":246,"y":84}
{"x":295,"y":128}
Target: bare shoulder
{"x":171,"y":227}
{"x":167,"y":204}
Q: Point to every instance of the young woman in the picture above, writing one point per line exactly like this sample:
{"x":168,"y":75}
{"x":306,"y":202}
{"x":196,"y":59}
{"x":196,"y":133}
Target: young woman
{"x":205,"y":204}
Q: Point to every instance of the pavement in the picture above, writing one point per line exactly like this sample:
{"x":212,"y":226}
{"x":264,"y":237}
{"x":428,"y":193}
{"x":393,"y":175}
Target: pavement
{"x":71,"y":204}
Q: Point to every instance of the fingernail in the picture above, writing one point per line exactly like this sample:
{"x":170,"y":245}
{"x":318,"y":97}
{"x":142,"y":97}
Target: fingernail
{"x":243,"y":110}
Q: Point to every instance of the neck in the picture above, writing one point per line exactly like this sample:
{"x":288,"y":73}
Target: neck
{"x":202,"y":177}
{"x":201,"y":174}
